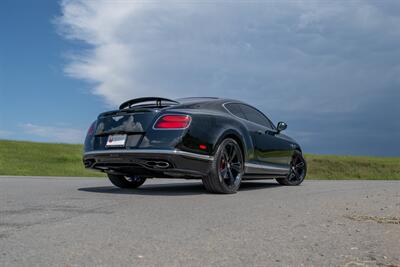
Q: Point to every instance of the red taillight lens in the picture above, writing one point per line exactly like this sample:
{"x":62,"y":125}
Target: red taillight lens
{"x":173,"y":122}
{"x":91,"y":129}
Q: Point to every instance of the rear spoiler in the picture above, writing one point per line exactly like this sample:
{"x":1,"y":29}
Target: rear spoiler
{"x":158,"y":101}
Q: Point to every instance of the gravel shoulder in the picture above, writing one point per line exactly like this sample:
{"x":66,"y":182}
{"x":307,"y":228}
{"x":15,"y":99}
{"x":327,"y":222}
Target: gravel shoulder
{"x":87,"y":222}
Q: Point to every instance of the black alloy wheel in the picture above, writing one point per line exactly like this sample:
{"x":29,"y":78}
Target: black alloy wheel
{"x":126,"y":181}
{"x":298,"y":171}
{"x":227,"y":170}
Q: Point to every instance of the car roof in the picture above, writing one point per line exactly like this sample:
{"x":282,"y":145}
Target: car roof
{"x":197,"y":99}
{"x":194,"y":100}
{"x":204,"y":102}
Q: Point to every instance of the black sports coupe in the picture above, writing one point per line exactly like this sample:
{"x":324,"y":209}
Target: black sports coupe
{"x":220,"y":141}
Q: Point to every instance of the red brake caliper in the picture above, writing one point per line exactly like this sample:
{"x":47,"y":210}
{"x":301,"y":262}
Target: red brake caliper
{"x":222,"y":164}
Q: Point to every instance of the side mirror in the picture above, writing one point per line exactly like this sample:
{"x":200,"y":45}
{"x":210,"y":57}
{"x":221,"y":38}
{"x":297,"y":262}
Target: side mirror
{"x":281,"y":126}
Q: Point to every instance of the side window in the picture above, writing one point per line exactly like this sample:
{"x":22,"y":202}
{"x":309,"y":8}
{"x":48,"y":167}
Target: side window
{"x":256,"y":116}
{"x":234,"y":108}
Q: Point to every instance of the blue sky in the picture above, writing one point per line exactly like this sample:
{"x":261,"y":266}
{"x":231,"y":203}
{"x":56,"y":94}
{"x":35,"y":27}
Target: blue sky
{"x":330,"y":69}
{"x":37,"y":100}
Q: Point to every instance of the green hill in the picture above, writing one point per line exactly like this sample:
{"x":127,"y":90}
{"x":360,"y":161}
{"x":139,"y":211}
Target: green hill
{"x":44,"y":159}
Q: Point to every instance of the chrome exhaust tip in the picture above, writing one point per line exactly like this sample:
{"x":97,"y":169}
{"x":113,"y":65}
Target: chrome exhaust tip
{"x":157,"y":164}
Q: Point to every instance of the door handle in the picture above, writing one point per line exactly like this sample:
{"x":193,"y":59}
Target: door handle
{"x":266,"y":132}
{"x":270,"y":132}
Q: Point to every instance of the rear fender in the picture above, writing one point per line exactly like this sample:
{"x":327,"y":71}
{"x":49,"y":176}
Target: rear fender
{"x":207,"y":131}
{"x":242,"y":139}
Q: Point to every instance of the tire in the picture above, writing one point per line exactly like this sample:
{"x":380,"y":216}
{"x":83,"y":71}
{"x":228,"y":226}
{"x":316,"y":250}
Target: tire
{"x":125,"y":181}
{"x":227,"y":169}
{"x":297,"y":174}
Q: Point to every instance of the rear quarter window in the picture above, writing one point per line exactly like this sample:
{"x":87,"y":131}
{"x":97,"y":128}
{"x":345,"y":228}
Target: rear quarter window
{"x":235,"y":109}
{"x":255,"y":116}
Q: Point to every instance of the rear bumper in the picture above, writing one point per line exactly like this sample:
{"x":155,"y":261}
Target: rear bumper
{"x":149,"y":162}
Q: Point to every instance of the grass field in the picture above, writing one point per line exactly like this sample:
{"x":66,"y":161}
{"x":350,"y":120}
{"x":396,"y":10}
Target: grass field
{"x":44,"y":159}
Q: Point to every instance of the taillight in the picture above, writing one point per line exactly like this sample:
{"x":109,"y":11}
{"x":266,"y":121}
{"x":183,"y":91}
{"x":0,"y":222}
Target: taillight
{"x":173,"y":122}
{"x":91,"y":128}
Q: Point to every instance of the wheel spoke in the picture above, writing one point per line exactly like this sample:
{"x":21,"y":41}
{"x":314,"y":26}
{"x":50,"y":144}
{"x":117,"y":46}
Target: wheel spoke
{"x":224,"y":173}
{"x":292,"y":175}
{"x":225,"y":155}
{"x":300,"y":165}
{"x":296,"y":174}
{"x":231,"y":176}
{"x":132,"y":178}
{"x":236,"y":166}
{"x":232,"y":154}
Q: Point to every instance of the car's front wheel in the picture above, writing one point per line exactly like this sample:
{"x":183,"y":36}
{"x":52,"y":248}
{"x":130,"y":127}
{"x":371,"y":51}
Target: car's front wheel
{"x":298,"y":171}
{"x":227,"y":169}
{"x":126,"y":181}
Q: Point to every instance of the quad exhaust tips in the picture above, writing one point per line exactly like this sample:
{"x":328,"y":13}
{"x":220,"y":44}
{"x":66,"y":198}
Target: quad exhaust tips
{"x":157,"y":164}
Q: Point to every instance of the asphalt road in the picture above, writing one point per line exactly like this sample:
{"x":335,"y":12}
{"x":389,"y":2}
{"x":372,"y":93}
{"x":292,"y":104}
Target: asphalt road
{"x":88,"y":222}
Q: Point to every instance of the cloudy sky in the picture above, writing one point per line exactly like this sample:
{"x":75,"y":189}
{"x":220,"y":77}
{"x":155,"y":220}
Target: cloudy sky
{"x":330,"y":69}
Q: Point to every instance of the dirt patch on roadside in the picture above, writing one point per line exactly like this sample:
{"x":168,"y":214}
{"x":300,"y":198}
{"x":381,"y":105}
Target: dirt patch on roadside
{"x":358,"y":263}
{"x":377,"y":219}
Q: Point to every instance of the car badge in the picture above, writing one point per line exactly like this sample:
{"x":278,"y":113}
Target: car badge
{"x":117,"y":118}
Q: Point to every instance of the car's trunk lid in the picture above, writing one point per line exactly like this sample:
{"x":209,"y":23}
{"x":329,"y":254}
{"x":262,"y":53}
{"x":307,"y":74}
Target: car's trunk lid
{"x":124,"y":122}
{"x":129,"y":126}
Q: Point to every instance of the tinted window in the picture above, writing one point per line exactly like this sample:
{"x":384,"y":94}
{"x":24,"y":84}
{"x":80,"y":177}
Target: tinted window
{"x":234,"y":108}
{"x":255,"y":116}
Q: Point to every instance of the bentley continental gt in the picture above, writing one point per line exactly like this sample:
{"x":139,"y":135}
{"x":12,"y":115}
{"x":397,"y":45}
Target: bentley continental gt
{"x":220,"y":141}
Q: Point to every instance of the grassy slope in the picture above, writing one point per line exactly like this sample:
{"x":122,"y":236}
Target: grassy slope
{"x":42,"y":159}
{"x":350,"y":167}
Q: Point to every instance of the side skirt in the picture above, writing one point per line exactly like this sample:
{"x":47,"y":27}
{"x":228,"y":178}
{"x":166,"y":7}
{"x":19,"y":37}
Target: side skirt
{"x":264,"y":171}
{"x":247,"y":177}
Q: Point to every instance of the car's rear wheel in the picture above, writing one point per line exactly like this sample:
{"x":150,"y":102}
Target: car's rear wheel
{"x":126,"y":181}
{"x":227,"y":169}
{"x":298,"y":171}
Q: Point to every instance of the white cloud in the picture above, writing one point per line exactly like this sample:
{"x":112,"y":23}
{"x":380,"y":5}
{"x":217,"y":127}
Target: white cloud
{"x":318,"y":65}
{"x":313,"y":55}
{"x":54,"y":134}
